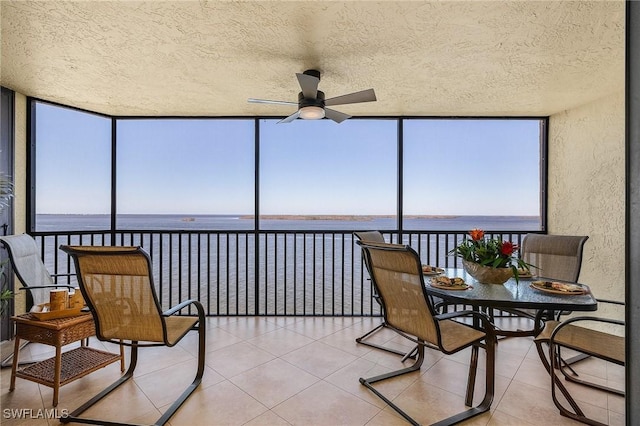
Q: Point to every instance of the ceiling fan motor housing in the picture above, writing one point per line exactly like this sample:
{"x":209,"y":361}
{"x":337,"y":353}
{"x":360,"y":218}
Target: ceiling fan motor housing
{"x":305,"y":102}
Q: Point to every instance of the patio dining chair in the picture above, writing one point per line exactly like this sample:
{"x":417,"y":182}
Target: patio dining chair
{"x":397,"y":273}
{"x":554,"y":257}
{"x":30,"y":270}
{"x":580,"y":334}
{"x":374,"y":237}
{"x":117,"y":284}
{"x":557,"y":257}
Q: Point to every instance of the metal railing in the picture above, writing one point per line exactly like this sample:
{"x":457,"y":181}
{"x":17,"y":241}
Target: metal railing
{"x":247,"y":273}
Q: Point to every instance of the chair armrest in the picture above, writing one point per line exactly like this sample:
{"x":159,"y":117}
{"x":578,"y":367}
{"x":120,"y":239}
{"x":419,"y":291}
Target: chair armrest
{"x":590,"y":341}
{"x":31,"y":287}
{"x":584,"y":318}
{"x":486,"y":321}
{"x":183,"y":305}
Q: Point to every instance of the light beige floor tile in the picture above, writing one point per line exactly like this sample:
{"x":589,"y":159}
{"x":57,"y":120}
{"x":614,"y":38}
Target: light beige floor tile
{"x":533,"y":373}
{"x":238,"y":358}
{"x":215,"y":338}
{"x":348,"y":379}
{"x":122,"y":405}
{"x":346,"y":340}
{"x":280,"y":341}
{"x":257,"y":363}
{"x":319,"y":359}
{"x":500,"y":418}
{"x":156,"y":358}
{"x":316,"y":327}
{"x":325,"y":404}
{"x":274,"y":382}
{"x":220,"y":404}
{"x":526,"y":402}
{"x":248,"y":327}
{"x":441,"y":404}
{"x":268,"y":419}
{"x":166,"y":385}
{"x":448,"y":375}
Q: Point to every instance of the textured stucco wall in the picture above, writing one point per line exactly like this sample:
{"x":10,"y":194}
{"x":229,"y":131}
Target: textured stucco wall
{"x":20,"y":126}
{"x":586,"y":188}
{"x":20,"y":168}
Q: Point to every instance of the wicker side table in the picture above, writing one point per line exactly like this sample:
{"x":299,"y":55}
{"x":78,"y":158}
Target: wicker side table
{"x":63,"y":367}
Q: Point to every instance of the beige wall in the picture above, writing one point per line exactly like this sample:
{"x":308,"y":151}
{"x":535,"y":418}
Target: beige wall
{"x":20,"y":164}
{"x":586,"y":188}
{"x":20,"y":173}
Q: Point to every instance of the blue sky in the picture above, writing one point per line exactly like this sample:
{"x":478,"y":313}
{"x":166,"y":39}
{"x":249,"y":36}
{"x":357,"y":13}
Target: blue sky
{"x":179,"y":166}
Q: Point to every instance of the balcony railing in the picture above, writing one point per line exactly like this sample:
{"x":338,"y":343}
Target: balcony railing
{"x":238,"y":273}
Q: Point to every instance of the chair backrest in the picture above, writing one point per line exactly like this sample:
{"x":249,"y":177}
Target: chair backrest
{"x":28,"y":266}
{"x":370,"y":236}
{"x":117,"y":285}
{"x":397,"y":274}
{"x":555,"y":256}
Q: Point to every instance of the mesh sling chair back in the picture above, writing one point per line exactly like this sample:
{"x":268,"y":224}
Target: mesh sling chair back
{"x":29,"y":268}
{"x":117,"y":284}
{"x":375,"y":237}
{"x":556,"y":257}
{"x":397,"y":274}
{"x":36,"y":280}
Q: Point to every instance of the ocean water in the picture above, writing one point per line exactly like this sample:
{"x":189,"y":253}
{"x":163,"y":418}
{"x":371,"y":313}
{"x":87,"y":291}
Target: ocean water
{"x":278,"y":273}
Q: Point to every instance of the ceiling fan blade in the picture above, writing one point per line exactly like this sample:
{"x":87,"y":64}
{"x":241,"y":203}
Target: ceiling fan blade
{"x":290,"y":118}
{"x":352,"y":98}
{"x":309,"y":85}
{"x":336,"y":116}
{"x":266,"y":101}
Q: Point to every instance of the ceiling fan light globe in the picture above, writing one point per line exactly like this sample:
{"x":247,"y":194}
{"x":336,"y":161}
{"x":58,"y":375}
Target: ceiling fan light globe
{"x":311,"y":113}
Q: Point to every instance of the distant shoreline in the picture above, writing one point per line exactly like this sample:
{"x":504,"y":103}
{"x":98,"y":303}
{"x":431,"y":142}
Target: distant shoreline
{"x":343,"y":217}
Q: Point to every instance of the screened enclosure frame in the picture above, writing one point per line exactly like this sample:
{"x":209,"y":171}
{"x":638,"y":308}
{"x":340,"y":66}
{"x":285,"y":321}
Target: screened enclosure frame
{"x":400,"y":124}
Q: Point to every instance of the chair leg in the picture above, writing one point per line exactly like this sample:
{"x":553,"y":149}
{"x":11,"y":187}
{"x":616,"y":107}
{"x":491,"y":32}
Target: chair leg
{"x":415,"y":367}
{"x":457,"y":418}
{"x":471,"y":381}
{"x":196,"y":381}
{"x":557,"y":383}
{"x":411,"y":354}
{"x":489,"y":392}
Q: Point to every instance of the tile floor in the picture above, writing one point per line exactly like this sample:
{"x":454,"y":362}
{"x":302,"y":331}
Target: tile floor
{"x":304,"y":371}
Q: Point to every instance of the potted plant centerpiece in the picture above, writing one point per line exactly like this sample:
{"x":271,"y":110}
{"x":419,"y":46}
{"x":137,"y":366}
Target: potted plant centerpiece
{"x":489,"y":260}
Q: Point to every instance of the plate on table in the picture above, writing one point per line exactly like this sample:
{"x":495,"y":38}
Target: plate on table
{"x":524,"y":273}
{"x":556,"y":287}
{"x":431,"y":270}
{"x":447,"y":283}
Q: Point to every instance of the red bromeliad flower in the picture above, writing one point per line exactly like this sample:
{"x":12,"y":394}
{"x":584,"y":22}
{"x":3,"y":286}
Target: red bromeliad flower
{"x":507,"y":248}
{"x":476,"y":234}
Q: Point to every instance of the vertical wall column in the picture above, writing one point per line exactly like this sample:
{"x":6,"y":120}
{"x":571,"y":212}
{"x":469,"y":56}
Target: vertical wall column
{"x":632,"y":261}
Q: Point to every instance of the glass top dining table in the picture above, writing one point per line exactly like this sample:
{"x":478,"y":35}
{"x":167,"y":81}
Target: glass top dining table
{"x":513,"y":295}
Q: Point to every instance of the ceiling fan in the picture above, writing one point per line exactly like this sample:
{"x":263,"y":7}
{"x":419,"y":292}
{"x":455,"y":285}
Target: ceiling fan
{"x":312,"y":104}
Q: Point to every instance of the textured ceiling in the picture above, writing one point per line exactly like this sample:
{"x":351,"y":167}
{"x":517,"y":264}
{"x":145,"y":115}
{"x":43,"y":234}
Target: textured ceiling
{"x":192,"y":58}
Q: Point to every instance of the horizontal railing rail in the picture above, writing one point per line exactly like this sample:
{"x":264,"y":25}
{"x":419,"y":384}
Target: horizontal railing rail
{"x":247,"y":273}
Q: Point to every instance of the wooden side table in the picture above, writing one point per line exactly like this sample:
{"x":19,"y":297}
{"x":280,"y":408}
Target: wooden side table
{"x":63,"y":367}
